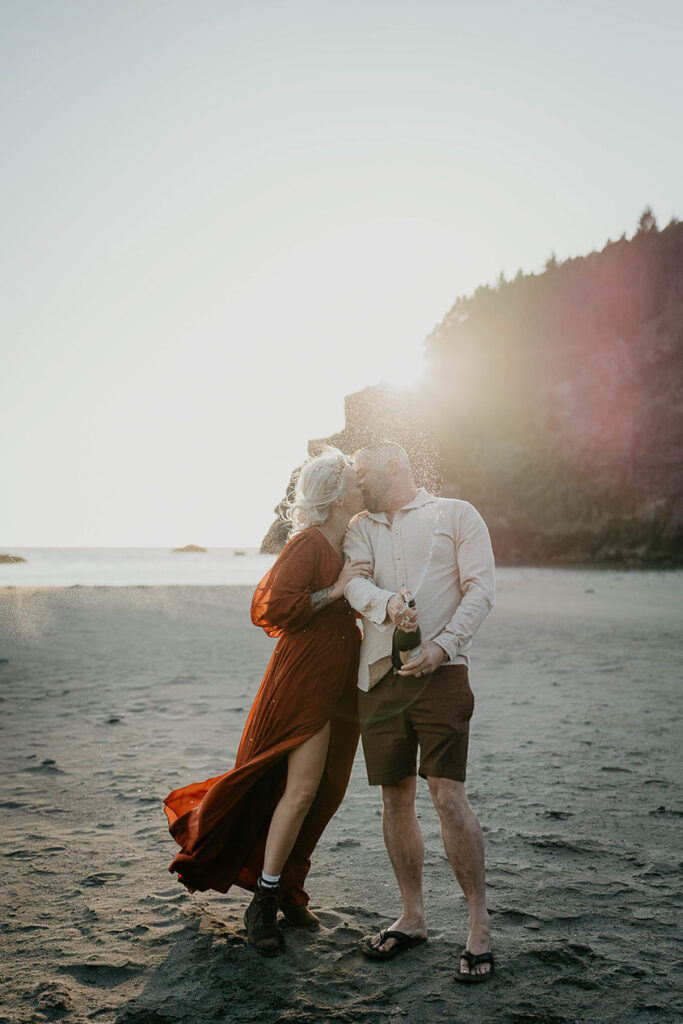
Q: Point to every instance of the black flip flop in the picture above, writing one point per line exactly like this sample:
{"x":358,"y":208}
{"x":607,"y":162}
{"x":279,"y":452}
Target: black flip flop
{"x":403,"y":942}
{"x":473,"y":959}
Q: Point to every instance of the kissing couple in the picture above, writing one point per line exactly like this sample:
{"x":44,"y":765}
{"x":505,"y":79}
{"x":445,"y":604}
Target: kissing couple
{"x":364,"y":539}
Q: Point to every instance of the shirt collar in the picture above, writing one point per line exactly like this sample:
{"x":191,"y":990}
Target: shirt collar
{"x":422,"y":497}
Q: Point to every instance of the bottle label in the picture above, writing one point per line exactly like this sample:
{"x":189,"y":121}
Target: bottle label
{"x":407,"y":656}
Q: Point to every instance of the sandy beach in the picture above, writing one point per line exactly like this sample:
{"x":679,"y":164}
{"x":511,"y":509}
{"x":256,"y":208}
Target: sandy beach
{"x":113,"y":696}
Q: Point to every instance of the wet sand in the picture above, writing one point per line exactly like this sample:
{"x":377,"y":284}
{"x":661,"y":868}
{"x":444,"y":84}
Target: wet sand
{"x":111,"y":697}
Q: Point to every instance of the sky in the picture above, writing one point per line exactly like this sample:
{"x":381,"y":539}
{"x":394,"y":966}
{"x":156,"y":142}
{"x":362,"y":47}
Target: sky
{"x":219,"y":218}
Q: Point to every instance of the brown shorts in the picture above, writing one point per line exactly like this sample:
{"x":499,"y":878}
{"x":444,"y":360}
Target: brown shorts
{"x":401,"y":712}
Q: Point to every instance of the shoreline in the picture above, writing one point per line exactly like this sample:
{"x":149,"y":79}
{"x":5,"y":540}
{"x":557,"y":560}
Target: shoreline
{"x":501,"y":571}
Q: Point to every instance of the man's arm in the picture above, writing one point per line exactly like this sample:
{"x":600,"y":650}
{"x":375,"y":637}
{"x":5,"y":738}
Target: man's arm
{"x":350,"y":570}
{"x":476,"y":567}
{"x":362,"y":594}
{"x":474,"y":556}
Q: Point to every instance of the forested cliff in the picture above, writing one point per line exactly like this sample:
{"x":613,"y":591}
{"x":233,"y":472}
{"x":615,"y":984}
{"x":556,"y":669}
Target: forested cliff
{"x":554,"y":403}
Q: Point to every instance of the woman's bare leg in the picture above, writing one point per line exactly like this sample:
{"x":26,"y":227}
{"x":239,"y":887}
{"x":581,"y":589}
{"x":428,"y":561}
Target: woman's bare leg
{"x":305,"y":766}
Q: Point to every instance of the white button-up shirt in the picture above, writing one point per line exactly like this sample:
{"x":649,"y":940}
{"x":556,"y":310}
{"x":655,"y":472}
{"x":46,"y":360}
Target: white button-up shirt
{"x":439,"y":548}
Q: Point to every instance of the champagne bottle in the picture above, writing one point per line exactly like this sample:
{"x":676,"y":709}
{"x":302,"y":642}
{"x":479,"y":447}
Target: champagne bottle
{"x":405,"y":646}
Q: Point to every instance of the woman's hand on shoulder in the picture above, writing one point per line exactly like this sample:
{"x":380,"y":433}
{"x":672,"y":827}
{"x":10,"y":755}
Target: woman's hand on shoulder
{"x":352,"y":570}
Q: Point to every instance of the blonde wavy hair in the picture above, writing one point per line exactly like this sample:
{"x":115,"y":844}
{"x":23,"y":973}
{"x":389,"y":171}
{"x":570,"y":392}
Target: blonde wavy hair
{"x":320,"y":483}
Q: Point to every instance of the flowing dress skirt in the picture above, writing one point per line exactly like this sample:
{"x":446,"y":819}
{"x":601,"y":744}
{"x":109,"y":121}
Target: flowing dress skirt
{"x":221,"y":824}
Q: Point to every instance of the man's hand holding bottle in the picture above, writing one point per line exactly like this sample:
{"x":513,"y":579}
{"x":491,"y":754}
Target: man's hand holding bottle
{"x":401,"y":615}
{"x":405,"y":618}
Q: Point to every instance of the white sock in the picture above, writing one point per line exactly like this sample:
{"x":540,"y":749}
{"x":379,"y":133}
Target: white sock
{"x":269,"y":881}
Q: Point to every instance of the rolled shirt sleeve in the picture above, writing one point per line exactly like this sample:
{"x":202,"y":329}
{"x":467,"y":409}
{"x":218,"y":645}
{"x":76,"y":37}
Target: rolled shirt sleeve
{"x":476,"y":568}
{"x":362,"y":594}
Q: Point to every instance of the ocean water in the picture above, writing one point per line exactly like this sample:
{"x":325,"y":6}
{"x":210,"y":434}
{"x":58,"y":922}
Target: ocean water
{"x":125,"y":567}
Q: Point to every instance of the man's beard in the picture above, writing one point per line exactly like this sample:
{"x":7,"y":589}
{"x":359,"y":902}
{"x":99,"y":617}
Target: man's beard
{"x":374,"y":499}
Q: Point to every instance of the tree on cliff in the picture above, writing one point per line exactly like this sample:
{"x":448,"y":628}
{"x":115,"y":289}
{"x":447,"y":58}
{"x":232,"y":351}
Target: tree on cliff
{"x":647,"y":222}
{"x":557,"y":401}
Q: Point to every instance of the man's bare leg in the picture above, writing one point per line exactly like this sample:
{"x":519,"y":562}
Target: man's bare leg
{"x":463,"y":842}
{"x":403,"y":840}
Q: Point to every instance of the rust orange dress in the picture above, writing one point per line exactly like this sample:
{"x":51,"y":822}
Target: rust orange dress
{"x":222,"y":824}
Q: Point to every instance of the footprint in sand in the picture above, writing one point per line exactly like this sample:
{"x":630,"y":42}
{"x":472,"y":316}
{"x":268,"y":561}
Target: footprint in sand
{"x":53,"y":999}
{"x":515,"y":918}
{"x":339,"y":922}
{"x":339,"y":933}
{"x":46,"y":767}
{"x":102,"y":974}
{"x":101,"y":879}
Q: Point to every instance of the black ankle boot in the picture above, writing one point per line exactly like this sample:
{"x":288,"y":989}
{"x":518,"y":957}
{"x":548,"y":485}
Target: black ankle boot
{"x":260,"y":920}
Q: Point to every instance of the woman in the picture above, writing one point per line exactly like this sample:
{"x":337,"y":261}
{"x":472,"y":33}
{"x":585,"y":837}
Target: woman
{"x":257,"y":825}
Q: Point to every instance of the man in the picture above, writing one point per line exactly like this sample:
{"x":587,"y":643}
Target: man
{"x":439,"y":549}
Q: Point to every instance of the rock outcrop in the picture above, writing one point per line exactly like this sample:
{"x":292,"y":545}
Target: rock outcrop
{"x":373,"y":414}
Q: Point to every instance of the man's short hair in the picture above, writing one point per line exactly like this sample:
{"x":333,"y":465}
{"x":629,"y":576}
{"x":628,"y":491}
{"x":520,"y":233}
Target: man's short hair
{"x":383,"y":451}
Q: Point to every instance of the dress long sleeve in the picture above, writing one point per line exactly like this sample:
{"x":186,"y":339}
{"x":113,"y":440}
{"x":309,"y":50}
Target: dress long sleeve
{"x":282,"y":600}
